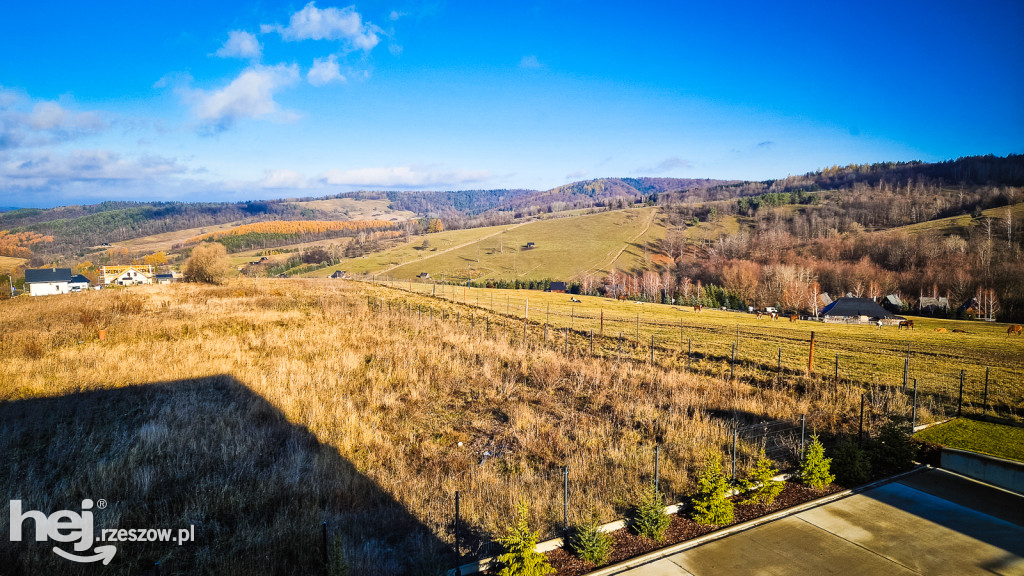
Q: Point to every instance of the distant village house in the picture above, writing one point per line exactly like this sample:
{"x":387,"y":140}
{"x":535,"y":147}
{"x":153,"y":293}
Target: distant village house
{"x":858,"y":311}
{"x":48,"y":281}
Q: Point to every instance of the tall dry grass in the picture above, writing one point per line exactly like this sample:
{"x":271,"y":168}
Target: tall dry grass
{"x":275,"y":405}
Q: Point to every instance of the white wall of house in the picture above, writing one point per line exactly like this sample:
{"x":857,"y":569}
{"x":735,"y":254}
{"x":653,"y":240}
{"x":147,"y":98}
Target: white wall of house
{"x":48,"y":288}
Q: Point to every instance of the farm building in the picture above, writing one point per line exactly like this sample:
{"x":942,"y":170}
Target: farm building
{"x":339,"y":274}
{"x":857,"y":311}
{"x":46,"y":281}
{"x":892,"y":303}
{"x":558,"y":287}
{"x":929,"y":305}
{"x":168,"y":278}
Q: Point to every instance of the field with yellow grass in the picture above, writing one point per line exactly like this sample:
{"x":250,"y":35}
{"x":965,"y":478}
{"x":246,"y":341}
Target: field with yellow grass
{"x":257,"y":410}
{"x":594,"y":243}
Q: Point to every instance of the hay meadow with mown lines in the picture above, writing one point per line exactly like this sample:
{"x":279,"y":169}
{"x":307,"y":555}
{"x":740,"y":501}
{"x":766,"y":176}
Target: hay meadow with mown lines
{"x":258,"y":409}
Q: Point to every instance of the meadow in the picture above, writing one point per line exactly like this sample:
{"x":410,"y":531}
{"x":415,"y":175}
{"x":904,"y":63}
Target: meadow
{"x":934,"y":353}
{"x":257,"y":410}
{"x":597,"y":243}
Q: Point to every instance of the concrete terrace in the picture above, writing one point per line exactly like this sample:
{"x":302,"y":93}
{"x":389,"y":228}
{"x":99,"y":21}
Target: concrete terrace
{"x":934,"y":522}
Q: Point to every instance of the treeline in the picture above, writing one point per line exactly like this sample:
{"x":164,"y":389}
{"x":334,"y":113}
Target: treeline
{"x":280,"y":232}
{"x":75,"y":228}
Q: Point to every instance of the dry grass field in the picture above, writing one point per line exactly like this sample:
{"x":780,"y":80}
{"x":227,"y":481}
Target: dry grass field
{"x":257,"y":410}
{"x":8,"y":263}
{"x":867,"y":355}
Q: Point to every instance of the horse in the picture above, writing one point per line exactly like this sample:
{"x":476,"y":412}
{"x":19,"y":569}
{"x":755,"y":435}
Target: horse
{"x":759,"y":315}
{"x":793,"y":317}
{"x":908,"y":324}
{"x":959,"y":331}
{"x":775,"y":315}
{"x":1016,"y":329}
{"x":698,"y":307}
{"x":940,"y":330}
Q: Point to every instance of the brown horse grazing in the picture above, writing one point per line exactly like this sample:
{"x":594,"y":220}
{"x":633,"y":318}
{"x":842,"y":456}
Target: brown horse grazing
{"x":698,"y":307}
{"x":793,"y":318}
{"x":940,"y":330}
{"x":909,"y":324}
{"x":1016,"y":329}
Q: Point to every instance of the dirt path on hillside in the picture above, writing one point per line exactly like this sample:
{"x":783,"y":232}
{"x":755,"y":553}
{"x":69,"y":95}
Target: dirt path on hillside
{"x":647,"y":226}
{"x":460,"y":246}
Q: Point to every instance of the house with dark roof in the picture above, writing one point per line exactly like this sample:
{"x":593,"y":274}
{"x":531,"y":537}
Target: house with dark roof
{"x":929,"y":305}
{"x":79,"y":283}
{"x":858,"y":311}
{"x":557,"y":287}
{"x":47,"y":281}
{"x":892,"y":303}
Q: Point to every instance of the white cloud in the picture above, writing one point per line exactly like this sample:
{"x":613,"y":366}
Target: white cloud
{"x":403,"y":177}
{"x":325,"y":71}
{"x":283,"y":179}
{"x":46,"y":169}
{"x":312,"y":23}
{"x":577,"y":175}
{"x":250,"y":95}
{"x":395,"y":15}
{"x":666,"y":165}
{"x":240,"y":44}
{"x":24,"y":124}
{"x":530,"y":62}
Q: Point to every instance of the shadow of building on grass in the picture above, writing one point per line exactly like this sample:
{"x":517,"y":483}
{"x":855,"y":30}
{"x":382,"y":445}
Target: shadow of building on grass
{"x":207,"y":453}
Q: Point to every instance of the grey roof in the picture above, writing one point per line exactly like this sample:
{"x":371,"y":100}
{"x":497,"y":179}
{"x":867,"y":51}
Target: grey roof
{"x":557,"y":286}
{"x":48,"y":275}
{"x":79,"y":279}
{"x":940,"y":302}
{"x":849,"y":307}
{"x":894,"y":300}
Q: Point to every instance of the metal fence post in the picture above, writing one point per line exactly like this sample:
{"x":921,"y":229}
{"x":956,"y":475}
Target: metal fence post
{"x":652,"y":349}
{"x":657,"y":459}
{"x":323,"y":540}
{"x":913,"y":414}
{"x":458,"y":551}
{"x":960,"y":398}
{"x":984,"y":395}
{"x":689,"y":353}
{"x":803,"y":434}
{"x":565,"y":498}
{"x":732,"y":370}
{"x":906,"y":371}
{"x":735,"y":440}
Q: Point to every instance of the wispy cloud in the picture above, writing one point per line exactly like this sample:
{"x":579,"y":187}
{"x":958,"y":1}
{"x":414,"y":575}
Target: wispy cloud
{"x":766,"y":144}
{"x":577,"y":175}
{"x":49,"y":170}
{"x":666,"y":165}
{"x":250,"y":95}
{"x":241,"y":44}
{"x":344,"y":24}
{"x":325,"y":71}
{"x":26,"y":124}
{"x":530,"y":62}
{"x":283,"y":179}
{"x":403,"y":177}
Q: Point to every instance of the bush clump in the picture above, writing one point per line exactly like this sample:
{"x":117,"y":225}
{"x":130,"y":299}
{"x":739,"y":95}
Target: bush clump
{"x":815,"y":468}
{"x":760,"y":483}
{"x":589,"y":543}
{"x":892,"y":451}
{"x":521,"y":557}
{"x":711,"y":504}
{"x":851,"y":465}
{"x":649,"y":517}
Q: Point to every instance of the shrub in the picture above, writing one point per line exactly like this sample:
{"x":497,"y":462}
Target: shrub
{"x":711,"y":504}
{"x":521,"y":557}
{"x":814,"y":469}
{"x":589,"y":543}
{"x":649,"y":517}
{"x":760,"y":483}
{"x":851,"y":464}
{"x":892,"y":451}
{"x":208,"y":263}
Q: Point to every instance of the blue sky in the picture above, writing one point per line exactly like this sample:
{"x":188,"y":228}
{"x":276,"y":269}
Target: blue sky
{"x":230,"y":101}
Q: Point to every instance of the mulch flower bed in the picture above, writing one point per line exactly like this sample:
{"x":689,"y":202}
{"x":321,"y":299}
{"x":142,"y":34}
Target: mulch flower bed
{"x":626,"y":544}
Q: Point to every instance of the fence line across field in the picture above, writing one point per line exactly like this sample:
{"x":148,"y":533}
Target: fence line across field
{"x":741,"y":351}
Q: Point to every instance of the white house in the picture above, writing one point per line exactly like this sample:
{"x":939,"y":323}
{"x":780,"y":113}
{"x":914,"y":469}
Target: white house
{"x":78,"y":283}
{"x":48,"y":281}
{"x":131,"y":277}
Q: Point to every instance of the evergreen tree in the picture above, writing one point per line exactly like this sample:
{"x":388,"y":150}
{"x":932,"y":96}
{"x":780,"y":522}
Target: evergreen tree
{"x":814,"y":469}
{"x":589,"y":543}
{"x":521,"y":557}
{"x":760,"y":483}
{"x":711,"y":504}
{"x":649,"y":517}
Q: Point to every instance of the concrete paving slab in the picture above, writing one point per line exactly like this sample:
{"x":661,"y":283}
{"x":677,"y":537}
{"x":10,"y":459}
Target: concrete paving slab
{"x":928,"y":523}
